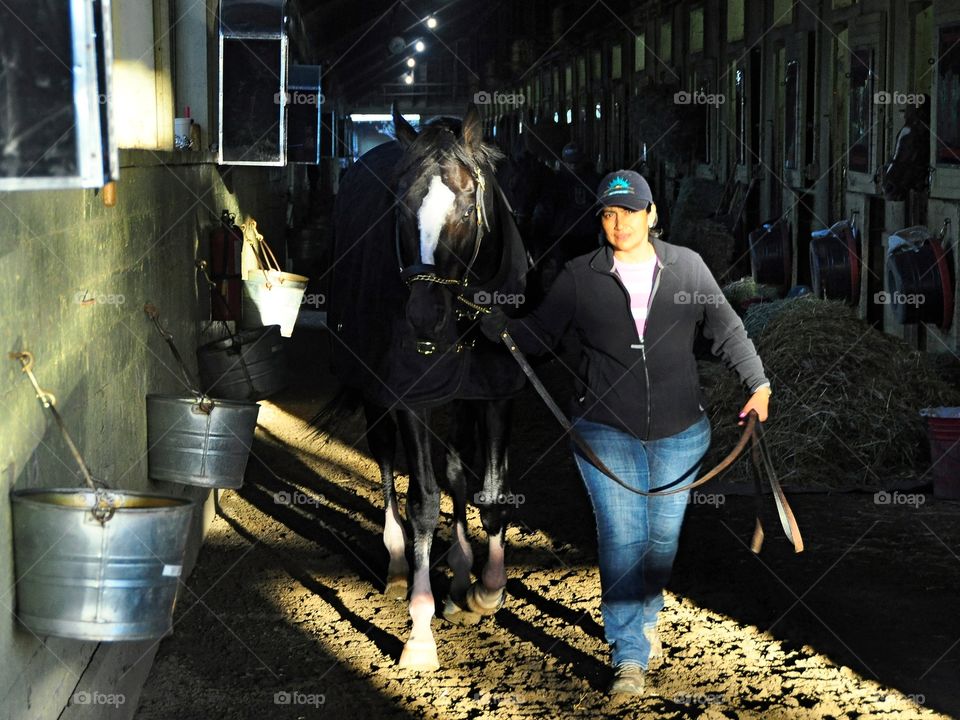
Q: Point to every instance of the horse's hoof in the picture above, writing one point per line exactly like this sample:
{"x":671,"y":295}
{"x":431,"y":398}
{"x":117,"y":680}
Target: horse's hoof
{"x":396,"y":588}
{"x":481,"y":605}
{"x":419,"y":655}
{"x":459,"y":615}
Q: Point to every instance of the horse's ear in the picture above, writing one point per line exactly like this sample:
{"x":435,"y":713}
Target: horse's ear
{"x":472,"y":127}
{"x":403,"y":130}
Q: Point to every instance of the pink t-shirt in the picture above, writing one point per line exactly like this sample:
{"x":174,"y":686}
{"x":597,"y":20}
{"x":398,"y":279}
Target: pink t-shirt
{"x":637,"y":278}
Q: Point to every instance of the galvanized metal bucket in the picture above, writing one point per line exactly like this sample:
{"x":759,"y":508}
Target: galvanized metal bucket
{"x":199,"y":442}
{"x":250,"y":365}
{"x":271,"y":297}
{"x":98,"y":565}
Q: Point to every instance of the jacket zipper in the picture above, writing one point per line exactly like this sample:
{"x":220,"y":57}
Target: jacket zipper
{"x":642,"y":338}
{"x":643,"y":350}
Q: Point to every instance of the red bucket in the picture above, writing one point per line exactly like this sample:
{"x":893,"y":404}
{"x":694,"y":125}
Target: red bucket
{"x":943,"y":431}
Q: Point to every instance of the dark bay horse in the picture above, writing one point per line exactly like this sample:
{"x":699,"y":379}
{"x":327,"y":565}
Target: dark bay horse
{"x":419,"y":223}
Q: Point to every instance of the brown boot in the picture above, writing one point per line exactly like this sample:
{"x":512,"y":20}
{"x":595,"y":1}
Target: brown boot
{"x":630,"y":679}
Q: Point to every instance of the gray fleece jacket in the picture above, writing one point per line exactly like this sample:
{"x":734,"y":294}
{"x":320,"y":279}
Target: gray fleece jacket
{"x":648,"y":386}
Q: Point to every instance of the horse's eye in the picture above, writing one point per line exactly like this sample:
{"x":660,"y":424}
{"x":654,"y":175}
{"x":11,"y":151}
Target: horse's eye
{"x":468,"y":212}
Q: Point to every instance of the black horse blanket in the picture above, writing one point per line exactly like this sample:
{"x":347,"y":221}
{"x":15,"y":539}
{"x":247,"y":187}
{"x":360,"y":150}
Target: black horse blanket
{"x":374,"y":348}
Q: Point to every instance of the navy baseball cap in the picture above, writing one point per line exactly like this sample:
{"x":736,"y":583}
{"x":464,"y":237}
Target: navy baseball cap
{"x":624,"y":188}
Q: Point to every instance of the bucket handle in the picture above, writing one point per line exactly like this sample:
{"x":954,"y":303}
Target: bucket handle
{"x":266,"y":260}
{"x":205,"y":403}
{"x":105,"y":504}
{"x":202,"y":266}
{"x":236,"y":342}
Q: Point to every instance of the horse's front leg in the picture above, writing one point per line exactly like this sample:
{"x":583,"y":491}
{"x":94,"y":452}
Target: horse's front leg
{"x":382,"y":439}
{"x":460,"y":558}
{"x":486,"y":596}
{"x":423,"y":511}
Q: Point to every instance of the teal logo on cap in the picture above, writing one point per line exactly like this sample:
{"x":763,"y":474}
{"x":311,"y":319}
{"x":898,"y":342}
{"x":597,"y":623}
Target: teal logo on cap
{"x":619,"y":186}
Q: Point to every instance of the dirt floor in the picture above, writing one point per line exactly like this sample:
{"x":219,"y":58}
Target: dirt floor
{"x":284,"y":615}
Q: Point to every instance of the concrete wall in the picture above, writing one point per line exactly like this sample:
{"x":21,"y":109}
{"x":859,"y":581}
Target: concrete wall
{"x":75,"y":277}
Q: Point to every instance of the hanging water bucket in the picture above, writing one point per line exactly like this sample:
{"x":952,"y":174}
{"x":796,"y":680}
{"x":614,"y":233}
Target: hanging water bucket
{"x":271,"y":297}
{"x":835,"y":262}
{"x":96,"y":564}
{"x":943,"y":432}
{"x":203,"y":442}
{"x":918,"y":287}
{"x":78,"y":577}
{"x":771,"y":256}
{"x":250,"y":365}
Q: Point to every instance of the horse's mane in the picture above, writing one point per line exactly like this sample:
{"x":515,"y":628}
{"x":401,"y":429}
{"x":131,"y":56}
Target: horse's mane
{"x":439,"y":143}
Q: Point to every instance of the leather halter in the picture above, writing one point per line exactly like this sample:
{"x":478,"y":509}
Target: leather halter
{"x":426,"y":272}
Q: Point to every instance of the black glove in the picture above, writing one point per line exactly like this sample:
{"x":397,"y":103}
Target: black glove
{"x":493,"y":323}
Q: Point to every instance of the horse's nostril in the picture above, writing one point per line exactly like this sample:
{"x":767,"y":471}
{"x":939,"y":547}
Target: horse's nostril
{"x":442,"y":321}
{"x":426,"y":315}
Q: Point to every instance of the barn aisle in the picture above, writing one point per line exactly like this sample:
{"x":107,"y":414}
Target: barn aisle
{"x":283,"y":616}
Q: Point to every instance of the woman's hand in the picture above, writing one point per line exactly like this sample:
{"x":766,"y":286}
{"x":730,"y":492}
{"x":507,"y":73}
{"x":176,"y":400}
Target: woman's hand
{"x":493,"y":323}
{"x":758,"y":401}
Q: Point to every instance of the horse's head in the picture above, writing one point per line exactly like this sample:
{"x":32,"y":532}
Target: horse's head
{"x":444,"y":185}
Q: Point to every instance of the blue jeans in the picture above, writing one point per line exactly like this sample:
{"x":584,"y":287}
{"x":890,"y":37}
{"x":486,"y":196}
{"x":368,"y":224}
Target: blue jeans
{"x":637,"y":536}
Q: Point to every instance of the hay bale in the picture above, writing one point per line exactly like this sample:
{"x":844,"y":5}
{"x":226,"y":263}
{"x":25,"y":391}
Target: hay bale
{"x":759,"y":315}
{"x":742,"y":294}
{"x":846,"y":399}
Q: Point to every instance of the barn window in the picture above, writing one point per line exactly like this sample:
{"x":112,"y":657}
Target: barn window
{"x":734,"y":20}
{"x":568,"y":80}
{"x":640,"y":53}
{"x":948,"y":100}
{"x":616,"y":60}
{"x":55,"y":129}
{"x":310,"y":131}
{"x":597,"y":66}
{"x":581,"y":72}
{"x":791,"y":116}
{"x":666,"y":41}
{"x":782,"y":12}
{"x":253,"y":48}
{"x":696,"y":30}
{"x":861,"y":107}
{"x":740,"y":121}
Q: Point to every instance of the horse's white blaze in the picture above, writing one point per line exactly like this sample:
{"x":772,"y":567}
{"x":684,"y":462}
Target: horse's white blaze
{"x":432,"y":215}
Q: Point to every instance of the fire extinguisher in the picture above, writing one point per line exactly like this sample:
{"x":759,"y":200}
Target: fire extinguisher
{"x":225,"y":243}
